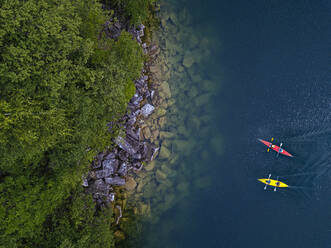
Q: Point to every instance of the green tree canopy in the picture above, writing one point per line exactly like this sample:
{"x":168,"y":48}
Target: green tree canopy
{"x":61,"y":81}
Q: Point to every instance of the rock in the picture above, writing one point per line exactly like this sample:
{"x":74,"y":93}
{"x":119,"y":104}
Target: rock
{"x":161,"y":112}
{"x":100,"y":156}
{"x":188,"y":60}
{"x":123,"y":155}
{"x":169,"y":172}
{"x":114,"y":31}
{"x":166,"y":135}
{"x":103,"y":173}
{"x":132,"y":119}
{"x":180,"y":68}
{"x":160,"y":175}
{"x":194,"y":123}
{"x":193,"y":41}
{"x":147,"y":109}
{"x":123,"y":170}
{"x":166,"y":89}
{"x":164,"y":153}
{"x":137,"y":156}
{"x":111,"y":165}
{"x":130,"y":184}
{"x":118,"y":181}
{"x":183,"y":146}
{"x":141,"y":186}
{"x":194,"y":74}
{"x":110,"y":155}
{"x":144,"y":148}
{"x":155,"y":69}
{"x":137,"y":166}
{"x":152,"y":93}
{"x":193,"y":92}
{"x":173,"y":159}
{"x":147,"y":133}
{"x":161,"y":122}
{"x":112,"y":197}
{"x":144,"y":209}
{"x":155,"y":134}
{"x":152,"y":152}
{"x":125,"y":145}
{"x":171,"y":102}
{"x":141,"y":175}
{"x":100,"y":187}
{"x":149,"y":189}
{"x":136,"y":99}
{"x":150,"y":166}
{"x":130,"y":133}
{"x":85,"y":182}
{"x":169,"y":200}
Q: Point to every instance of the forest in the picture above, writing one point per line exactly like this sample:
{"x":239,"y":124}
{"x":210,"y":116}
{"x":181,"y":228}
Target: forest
{"x":61,"y":81}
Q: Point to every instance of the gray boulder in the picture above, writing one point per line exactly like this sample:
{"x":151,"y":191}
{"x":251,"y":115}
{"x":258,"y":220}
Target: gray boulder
{"x":110,"y":155}
{"x":110,"y":165}
{"x":117,"y":181}
{"x":125,"y":145}
{"x":100,"y":186}
{"x":147,"y":109}
{"x":123,"y":170}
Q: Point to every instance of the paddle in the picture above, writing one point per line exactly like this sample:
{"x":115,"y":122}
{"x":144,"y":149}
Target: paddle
{"x":280,"y":147}
{"x":265,"y":187}
{"x":275,"y":189}
{"x":272,"y":139}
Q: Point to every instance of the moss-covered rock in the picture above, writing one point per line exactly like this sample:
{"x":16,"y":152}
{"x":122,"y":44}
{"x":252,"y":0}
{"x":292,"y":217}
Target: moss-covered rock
{"x":130,"y":184}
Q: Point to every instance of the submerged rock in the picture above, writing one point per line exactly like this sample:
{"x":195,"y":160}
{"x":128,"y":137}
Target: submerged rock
{"x":160,"y":175}
{"x":188,"y":60}
{"x":150,"y":166}
{"x":164,"y":153}
{"x":166,"y":89}
{"x":130,"y":184}
{"x":147,"y":133}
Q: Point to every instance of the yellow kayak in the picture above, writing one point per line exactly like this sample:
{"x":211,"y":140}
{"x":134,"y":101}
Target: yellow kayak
{"x":272,"y":182}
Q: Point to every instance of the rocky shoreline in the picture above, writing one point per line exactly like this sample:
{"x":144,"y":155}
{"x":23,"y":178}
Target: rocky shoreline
{"x":168,"y":119}
{"x":113,"y":171}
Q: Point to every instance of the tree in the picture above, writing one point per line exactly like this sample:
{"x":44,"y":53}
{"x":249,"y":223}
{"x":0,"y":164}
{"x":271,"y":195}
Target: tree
{"x":61,"y":83}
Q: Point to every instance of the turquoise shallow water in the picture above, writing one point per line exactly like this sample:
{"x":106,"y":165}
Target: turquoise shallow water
{"x":265,"y":69}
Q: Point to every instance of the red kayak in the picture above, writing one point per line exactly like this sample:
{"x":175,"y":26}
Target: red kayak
{"x":276,"y":148}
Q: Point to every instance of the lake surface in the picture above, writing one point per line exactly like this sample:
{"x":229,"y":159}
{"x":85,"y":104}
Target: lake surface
{"x":274,"y":62}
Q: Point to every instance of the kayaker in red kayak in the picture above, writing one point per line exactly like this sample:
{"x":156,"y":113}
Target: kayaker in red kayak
{"x":277,"y":149}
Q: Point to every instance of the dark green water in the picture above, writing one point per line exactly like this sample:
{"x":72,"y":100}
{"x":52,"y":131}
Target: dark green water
{"x":263,"y":68}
